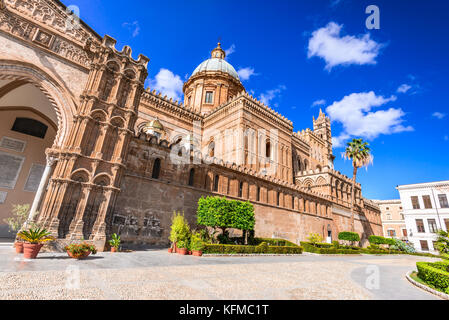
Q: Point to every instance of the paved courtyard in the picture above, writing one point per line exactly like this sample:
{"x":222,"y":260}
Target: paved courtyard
{"x":156,"y":274}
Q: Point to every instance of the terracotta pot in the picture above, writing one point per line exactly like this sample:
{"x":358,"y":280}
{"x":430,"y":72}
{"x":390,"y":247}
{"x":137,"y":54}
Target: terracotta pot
{"x":30,"y":250}
{"x":78,"y":256}
{"x":170,"y":250}
{"x":19,"y":247}
{"x":113,"y":249}
{"x":190,"y":252}
{"x":182,"y":251}
{"x":197,"y":253}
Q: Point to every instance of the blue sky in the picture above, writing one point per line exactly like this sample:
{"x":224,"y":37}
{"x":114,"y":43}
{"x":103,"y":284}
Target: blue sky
{"x":389,"y":86}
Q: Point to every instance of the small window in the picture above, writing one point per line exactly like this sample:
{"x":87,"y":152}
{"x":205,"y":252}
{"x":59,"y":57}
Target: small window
{"x":241,"y":189}
{"x":420,"y":226}
{"x":211,"y":149}
{"x":391,"y":233}
{"x":191,"y":176}
{"x":30,"y":127}
{"x":277,"y":198}
{"x":415,"y":202}
{"x":258,"y":194}
{"x":424,"y":245}
{"x":432,"y":225}
{"x":209,"y":97}
{"x":189,"y":100}
{"x":268,"y":149}
{"x":388,"y":216}
{"x":216,"y":180}
{"x":156,"y":169}
{"x":443,"y":201}
{"x":427,"y":202}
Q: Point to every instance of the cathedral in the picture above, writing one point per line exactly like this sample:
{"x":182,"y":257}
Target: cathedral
{"x":94,"y":153}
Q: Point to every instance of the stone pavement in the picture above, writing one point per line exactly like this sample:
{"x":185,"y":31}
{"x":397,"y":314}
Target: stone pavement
{"x":156,"y":274}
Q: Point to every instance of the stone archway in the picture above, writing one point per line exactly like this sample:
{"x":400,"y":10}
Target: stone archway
{"x":29,"y":94}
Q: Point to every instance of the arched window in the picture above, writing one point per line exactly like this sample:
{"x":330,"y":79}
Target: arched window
{"x":268,"y":149}
{"x":29,"y":126}
{"x":216,"y":180}
{"x":156,"y":169}
{"x":241,"y":189}
{"x":299,"y":165}
{"x":191,"y":176}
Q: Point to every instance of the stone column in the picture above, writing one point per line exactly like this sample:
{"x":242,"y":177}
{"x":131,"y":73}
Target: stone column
{"x":40,"y":189}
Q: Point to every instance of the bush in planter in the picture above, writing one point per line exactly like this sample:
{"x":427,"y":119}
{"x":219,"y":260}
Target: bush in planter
{"x":34,"y":238}
{"x":349,"y":236}
{"x":180,"y":230}
{"x":196,"y":242}
{"x":80,"y":250}
{"x":115,"y":241}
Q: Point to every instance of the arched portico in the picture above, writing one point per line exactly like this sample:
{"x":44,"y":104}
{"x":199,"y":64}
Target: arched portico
{"x":36,"y":114}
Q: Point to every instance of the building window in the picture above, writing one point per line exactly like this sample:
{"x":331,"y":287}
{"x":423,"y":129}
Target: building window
{"x":156,"y":169}
{"x":258,"y":194}
{"x":446,"y":222}
{"x":216,"y":180}
{"x":278,"y":195}
{"x":443,"y":201}
{"x":387,"y":208}
{"x":391,"y":233}
{"x":388,"y":216}
{"x":402,"y":216}
{"x":427,"y":203}
{"x":415,"y":202}
{"x":404,"y":232}
{"x":209,"y":97}
{"x":241,"y":189}
{"x":189,"y":100}
{"x":432,"y":225}
{"x":30,"y":127}
{"x":268,"y":149}
{"x":191,"y":176}
{"x":424,"y":245}
{"x":420,"y":225}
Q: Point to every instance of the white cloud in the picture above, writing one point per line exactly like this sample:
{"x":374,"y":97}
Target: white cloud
{"x":327,"y":43}
{"x":358,"y":120}
{"x":132,"y":26}
{"x":319,"y":103}
{"x":230,"y":50}
{"x":403,"y":88}
{"x":246,"y":73}
{"x":168,"y":84}
{"x":271,"y":94}
{"x":438,"y":115}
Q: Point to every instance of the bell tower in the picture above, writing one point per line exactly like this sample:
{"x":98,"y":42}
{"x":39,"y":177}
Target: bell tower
{"x":322,"y":128}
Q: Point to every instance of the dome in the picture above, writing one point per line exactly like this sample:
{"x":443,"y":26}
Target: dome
{"x":217,"y":62}
{"x":153,"y":127}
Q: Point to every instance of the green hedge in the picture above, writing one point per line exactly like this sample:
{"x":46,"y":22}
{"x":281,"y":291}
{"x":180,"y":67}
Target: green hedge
{"x":380,"y":240}
{"x":274,"y":242}
{"x":435,"y":274}
{"x":262,"y":248}
{"x":309,"y":247}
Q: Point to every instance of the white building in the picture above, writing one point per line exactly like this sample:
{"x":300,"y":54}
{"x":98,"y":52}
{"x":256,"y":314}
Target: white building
{"x":425,"y":210}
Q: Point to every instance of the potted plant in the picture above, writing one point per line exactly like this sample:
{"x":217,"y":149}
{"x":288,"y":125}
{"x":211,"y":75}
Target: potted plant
{"x":196,"y":244}
{"x":34,"y":240}
{"x":114,"y":242}
{"x":80,"y":250}
{"x":180,"y":231}
{"x":182,"y":247}
{"x":16,"y":221}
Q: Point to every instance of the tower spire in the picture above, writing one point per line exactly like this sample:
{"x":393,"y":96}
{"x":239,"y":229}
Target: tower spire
{"x":218,"y":52}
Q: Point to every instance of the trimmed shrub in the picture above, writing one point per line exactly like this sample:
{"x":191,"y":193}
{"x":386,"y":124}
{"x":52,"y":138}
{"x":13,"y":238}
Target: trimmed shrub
{"x":329,"y":249}
{"x":380,"y":240}
{"x":435,"y":274}
{"x":314,"y":237}
{"x":349,"y":236}
{"x":261,"y":248}
{"x":336,"y":244}
{"x":273,"y":242}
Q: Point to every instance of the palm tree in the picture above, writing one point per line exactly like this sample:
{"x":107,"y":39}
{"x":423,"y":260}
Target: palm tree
{"x":360,"y":154}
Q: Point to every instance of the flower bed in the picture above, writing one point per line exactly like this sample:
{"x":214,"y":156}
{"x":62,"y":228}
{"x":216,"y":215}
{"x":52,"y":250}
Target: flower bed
{"x":435,"y":274}
{"x":259,"y":249}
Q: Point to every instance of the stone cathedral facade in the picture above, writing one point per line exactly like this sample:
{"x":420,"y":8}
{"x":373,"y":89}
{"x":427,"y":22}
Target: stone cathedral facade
{"x":94,"y":153}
